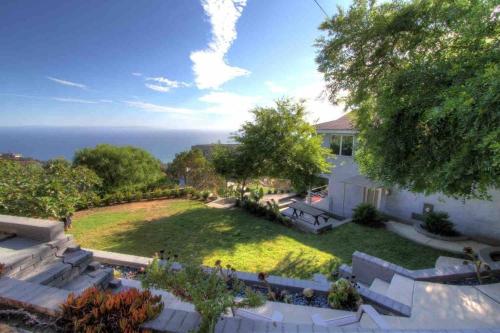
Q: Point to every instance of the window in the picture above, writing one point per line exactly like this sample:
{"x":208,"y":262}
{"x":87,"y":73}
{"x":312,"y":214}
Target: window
{"x":335,"y":142}
{"x":342,"y":144}
{"x":347,"y":144}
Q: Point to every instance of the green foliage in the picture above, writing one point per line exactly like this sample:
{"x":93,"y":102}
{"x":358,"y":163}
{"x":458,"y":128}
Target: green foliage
{"x":366,"y":214}
{"x":194,"y":169}
{"x":102,"y":311}
{"x":121,"y":167}
{"x":210,"y":292}
{"x":423,"y":79}
{"x":344,"y":296}
{"x":284,"y":144}
{"x":235,"y":164}
{"x":270,"y":210}
{"x":53,"y":190}
{"x":438,"y":223}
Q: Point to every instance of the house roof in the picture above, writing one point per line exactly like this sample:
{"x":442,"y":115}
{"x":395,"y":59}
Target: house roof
{"x":343,"y":123}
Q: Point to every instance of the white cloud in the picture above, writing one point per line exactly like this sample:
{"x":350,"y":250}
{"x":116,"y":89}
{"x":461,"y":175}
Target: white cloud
{"x":137,"y":74}
{"x":73,"y":100}
{"x":150,"y":107}
{"x":209,"y":65}
{"x":223,"y":110}
{"x":105,"y":101}
{"x":162,"y":84}
{"x":320,"y":109}
{"x":274,"y":88}
{"x":67,"y":83}
{"x":229,"y":103}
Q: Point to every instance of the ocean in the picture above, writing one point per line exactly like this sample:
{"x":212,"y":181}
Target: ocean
{"x":44,"y":143}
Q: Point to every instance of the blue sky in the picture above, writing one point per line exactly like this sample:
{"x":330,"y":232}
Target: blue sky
{"x":164,"y":63}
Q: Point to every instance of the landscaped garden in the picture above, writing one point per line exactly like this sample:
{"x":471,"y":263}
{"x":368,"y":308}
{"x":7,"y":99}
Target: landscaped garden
{"x":202,"y":235}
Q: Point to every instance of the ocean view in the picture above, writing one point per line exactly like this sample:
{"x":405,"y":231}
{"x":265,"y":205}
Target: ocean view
{"x":45,"y":143}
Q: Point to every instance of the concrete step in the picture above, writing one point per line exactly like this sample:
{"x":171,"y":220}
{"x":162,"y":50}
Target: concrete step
{"x":24,"y":263}
{"x":61,"y":270}
{"x":445,"y":262}
{"x":401,"y":289}
{"x":28,"y":258}
{"x":31,"y":296}
{"x":379,"y":286}
{"x":48,"y":273}
{"x":90,"y":278}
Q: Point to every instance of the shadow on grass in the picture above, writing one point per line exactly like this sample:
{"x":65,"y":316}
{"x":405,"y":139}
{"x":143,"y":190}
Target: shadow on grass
{"x":198,"y":232}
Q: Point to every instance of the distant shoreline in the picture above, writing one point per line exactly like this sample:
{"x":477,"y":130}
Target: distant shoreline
{"x":48,"y":142}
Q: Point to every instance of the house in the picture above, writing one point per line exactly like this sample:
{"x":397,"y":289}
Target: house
{"x":347,"y":188}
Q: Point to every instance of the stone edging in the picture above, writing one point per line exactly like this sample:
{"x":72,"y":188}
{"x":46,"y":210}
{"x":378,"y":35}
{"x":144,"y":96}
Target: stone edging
{"x":320,"y":284}
{"x":419,"y":228}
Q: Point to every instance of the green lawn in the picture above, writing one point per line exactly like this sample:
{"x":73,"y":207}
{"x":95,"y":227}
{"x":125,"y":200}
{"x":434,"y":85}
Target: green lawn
{"x":202,"y":235}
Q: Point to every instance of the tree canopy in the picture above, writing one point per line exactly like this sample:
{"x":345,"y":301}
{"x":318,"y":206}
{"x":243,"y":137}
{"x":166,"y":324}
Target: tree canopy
{"x":235,"y":164}
{"x":280,"y":143}
{"x":194,"y":169}
{"x":423,"y":79}
{"x":121,"y":167}
{"x":52,"y":190}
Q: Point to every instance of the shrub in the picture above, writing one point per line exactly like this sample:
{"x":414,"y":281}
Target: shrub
{"x":438,"y":223}
{"x":205,"y":195}
{"x":366,"y":214}
{"x":344,"y":296}
{"x":102,"y":311}
{"x":208,"y":291}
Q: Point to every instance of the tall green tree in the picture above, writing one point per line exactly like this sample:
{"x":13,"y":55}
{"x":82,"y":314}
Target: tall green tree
{"x":121,"y":167}
{"x":423,"y":79}
{"x":235,"y":164}
{"x":194,"y":169}
{"x":284,"y":144}
{"x":52,"y":190}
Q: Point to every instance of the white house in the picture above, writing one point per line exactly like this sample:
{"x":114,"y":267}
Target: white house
{"x":479,"y":219}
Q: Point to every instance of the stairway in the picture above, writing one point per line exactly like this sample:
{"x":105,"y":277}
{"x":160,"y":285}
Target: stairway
{"x":400,"y":289}
{"x":35,"y":270}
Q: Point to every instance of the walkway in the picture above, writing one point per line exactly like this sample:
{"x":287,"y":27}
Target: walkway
{"x":409,"y":232}
{"x":440,"y":306}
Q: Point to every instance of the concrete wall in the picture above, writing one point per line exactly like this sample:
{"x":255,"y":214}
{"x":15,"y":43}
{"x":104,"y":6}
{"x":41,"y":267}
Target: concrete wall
{"x":479,"y":219}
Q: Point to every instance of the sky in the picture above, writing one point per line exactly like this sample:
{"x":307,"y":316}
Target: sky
{"x":180,"y":64}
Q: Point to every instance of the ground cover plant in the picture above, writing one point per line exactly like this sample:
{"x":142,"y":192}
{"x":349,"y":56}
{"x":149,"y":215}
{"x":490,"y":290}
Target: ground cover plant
{"x":201,"y":235}
{"x":211,"y":293}
{"x":102,"y":311}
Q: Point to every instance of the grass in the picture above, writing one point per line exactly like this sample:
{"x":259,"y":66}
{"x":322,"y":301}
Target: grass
{"x":201,"y":235}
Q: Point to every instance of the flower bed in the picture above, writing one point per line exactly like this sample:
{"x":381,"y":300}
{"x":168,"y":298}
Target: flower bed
{"x":419,"y":227}
{"x":294,"y":297}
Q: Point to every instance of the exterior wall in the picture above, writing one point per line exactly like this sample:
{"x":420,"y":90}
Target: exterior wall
{"x":344,"y":167}
{"x":479,"y":219}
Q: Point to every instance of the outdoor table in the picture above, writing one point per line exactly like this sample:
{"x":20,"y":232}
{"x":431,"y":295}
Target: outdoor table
{"x":299,"y":208}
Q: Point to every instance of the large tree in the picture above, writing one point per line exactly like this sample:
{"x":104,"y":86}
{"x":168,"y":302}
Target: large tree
{"x":423,"y":79}
{"x":284,"y":144}
{"x":235,"y":163}
{"x":194,"y":169}
{"x":121,"y":167}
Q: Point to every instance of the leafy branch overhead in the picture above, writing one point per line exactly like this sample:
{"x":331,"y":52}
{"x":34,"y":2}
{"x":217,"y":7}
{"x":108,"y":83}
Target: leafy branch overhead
{"x":423,"y":79}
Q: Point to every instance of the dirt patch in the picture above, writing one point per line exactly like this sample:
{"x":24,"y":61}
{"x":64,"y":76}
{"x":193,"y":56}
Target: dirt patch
{"x":128,"y":207}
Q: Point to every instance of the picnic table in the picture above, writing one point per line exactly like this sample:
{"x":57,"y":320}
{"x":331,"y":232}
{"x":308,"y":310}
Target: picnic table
{"x":300,"y":208}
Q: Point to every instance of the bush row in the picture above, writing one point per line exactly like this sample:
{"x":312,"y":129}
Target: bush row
{"x":270,"y":211}
{"x":130,"y":196}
